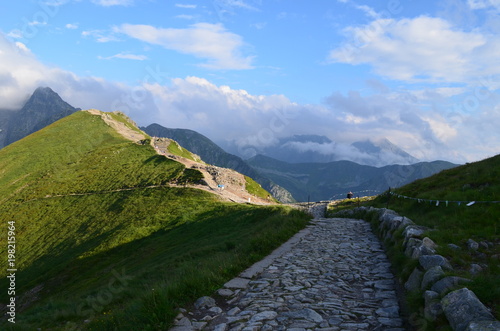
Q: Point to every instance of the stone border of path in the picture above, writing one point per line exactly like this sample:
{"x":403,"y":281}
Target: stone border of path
{"x":442,"y":294}
{"x":244,"y":278}
{"x":317,"y":210}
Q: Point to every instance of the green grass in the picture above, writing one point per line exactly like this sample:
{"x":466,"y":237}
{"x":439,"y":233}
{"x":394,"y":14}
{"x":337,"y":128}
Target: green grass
{"x":127,"y":250}
{"x":455,"y":224}
{"x":339,"y":205}
{"x":254,"y":188}
{"x":177,"y":149}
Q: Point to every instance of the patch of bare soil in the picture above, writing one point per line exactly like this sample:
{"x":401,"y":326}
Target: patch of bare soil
{"x":228,"y":184}
{"x":120,"y":127}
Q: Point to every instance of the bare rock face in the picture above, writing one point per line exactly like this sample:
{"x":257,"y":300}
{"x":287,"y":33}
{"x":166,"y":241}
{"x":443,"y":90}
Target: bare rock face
{"x":464,"y":311}
{"x":44,"y":107}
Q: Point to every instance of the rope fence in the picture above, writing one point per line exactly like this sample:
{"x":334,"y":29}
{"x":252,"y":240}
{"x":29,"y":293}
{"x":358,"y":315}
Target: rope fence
{"x":439,"y":201}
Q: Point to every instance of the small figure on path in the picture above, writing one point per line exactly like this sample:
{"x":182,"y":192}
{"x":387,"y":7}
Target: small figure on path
{"x":349,"y":195}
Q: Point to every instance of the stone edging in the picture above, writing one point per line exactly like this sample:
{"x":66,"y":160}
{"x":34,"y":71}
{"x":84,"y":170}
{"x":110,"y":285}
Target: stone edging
{"x":461,"y":306}
{"x":232,"y":288}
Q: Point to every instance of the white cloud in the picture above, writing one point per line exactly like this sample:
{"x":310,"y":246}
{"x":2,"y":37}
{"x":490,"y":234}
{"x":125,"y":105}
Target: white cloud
{"x":483,"y":4}
{"x":185,"y":17}
{"x":222,"y":49}
{"x":226,"y":114}
{"x":100,"y":35}
{"x":71,"y":26}
{"x":420,"y":49}
{"x":125,"y":56}
{"x":185,"y":6}
{"x":21,"y":73}
{"x":22,"y":47}
{"x":109,"y":3}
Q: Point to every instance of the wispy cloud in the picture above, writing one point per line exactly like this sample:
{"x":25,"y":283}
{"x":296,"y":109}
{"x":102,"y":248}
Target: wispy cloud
{"x":100,"y":35}
{"x":483,"y":4}
{"x":186,"y":6}
{"x":125,"y":56}
{"x":185,"y":17}
{"x":221,"y":48}
{"x":71,"y":26}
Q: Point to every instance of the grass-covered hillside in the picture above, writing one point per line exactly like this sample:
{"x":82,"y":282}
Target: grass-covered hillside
{"x":443,"y":203}
{"x":102,"y":242}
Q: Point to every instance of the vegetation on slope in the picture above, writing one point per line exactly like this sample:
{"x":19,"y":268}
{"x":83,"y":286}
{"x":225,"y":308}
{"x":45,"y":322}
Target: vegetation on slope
{"x":102,"y":238}
{"x":454,"y":223}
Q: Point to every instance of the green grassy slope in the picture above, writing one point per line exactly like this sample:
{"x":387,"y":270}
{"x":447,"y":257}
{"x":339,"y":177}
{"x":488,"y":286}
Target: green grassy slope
{"x":454,"y":223}
{"x":102,"y":238}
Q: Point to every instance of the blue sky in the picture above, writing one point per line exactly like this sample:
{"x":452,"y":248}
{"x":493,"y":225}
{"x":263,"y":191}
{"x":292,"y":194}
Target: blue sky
{"x":424,"y":74}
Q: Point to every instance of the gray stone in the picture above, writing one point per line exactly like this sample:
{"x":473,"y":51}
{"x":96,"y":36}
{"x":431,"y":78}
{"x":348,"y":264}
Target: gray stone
{"x":388,"y":312}
{"x":405,"y":222}
{"x":472,"y":245}
{"x":264,"y":316}
{"x":448,"y":283}
{"x":475,"y":269}
{"x":414,"y":280}
{"x":237,"y":282}
{"x":411,"y":245}
{"x":454,"y":247}
{"x":224,"y":292}
{"x":184,"y":321}
{"x":462,"y":307}
{"x":414,"y":231}
{"x":215,"y":310}
{"x":307,"y":314}
{"x":484,"y":326}
{"x":429,"y":261}
{"x":220,"y":327}
{"x":204,"y":303}
{"x":427,"y":242}
{"x":431,"y":276}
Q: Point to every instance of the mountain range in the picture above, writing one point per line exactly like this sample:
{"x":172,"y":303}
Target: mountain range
{"x":299,"y":167}
{"x":321,"y":149}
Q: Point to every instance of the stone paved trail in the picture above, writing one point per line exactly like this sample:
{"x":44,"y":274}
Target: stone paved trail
{"x":337,"y":277}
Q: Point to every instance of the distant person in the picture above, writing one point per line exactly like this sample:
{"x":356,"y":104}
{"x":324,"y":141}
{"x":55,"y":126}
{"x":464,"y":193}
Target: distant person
{"x":349,"y":195}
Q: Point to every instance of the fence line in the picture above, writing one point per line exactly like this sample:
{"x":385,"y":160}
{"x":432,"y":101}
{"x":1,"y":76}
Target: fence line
{"x":468,"y":203}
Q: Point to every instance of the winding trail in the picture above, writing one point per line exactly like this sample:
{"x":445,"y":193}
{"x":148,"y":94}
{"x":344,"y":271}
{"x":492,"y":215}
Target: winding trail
{"x":333,"y":275}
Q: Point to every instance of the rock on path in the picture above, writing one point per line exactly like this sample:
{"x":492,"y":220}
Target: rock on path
{"x":337,"y":277}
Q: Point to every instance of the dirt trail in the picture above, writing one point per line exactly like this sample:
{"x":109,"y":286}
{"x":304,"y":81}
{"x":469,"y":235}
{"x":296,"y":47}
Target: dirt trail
{"x":226,"y":183}
{"x":121,"y":128}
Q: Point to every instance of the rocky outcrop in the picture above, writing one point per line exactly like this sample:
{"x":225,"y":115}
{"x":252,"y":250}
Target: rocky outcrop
{"x":43,"y":108}
{"x":442,"y":294}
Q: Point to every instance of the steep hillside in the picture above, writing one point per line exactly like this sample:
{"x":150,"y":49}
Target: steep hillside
{"x":108,"y":235}
{"x":42,"y":108}
{"x":213,"y":154}
{"x":324,"y":181}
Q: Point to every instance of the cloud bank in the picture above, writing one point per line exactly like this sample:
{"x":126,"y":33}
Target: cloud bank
{"x":414,"y":120}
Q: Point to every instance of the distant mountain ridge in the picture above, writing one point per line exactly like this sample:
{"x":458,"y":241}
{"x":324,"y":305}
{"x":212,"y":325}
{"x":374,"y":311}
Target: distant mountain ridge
{"x":213,"y":154}
{"x":324,"y":181}
{"x":321,"y":149}
{"x":281,"y":171}
{"x":44,"y":107}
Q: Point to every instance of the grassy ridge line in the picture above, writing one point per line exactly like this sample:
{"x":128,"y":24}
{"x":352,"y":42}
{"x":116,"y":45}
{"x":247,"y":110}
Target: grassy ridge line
{"x":171,"y":245}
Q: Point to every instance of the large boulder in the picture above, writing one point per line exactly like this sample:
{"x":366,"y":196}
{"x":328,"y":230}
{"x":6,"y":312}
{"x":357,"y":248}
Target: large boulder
{"x":429,"y":261}
{"x":462,"y":308}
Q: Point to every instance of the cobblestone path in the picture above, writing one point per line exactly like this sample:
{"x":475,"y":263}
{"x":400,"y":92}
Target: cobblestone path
{"x":336,"y":277}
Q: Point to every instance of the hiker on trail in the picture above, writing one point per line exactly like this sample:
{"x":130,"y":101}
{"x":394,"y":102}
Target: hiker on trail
{"x":349,"y":195}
